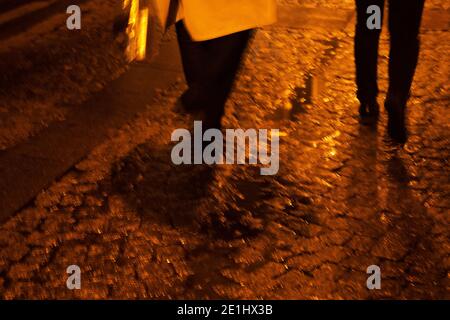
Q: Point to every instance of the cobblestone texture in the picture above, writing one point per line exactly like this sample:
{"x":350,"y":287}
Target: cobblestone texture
{"x":72,"y":64}
{"x":344,"y":198}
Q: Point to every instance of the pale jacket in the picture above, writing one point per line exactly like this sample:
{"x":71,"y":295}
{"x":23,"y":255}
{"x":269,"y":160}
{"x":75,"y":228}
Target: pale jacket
{"x":209,"y":19}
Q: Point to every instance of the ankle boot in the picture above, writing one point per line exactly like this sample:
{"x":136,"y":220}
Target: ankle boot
{"x":396,"y":127}
{"x":369,"y":111}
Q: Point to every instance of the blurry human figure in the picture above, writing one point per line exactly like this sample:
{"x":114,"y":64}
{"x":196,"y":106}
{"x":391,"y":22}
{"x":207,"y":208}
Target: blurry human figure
{"x":210,"y":68}
{"x":213,"y":36}
{"x":404,"y":26}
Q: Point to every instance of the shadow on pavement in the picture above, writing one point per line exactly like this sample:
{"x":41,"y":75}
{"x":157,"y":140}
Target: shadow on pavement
{"x":160,"y":190}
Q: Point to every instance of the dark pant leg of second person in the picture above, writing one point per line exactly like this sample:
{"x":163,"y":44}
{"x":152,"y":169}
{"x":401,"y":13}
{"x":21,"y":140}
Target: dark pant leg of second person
{"x":366,"y":52}
{"x":210,"y":68}
{"x":404,"y":26}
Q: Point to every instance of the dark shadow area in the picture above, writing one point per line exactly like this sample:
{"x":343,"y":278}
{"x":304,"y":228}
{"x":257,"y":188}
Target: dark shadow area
{"x":189,"y":196}
{"x":184,"y":198}
{"x":362,"y":203}
{"x":424,"y":275}
{"x":8,"y":5}
{"x":29,"y":20}
{"x":160,"y":190}
{"x":394,"y":221}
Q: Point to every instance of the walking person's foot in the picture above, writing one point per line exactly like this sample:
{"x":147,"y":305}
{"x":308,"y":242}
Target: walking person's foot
{"x":189,"y":103}
{"x":369,"y":112}
{"x":396,"y":120}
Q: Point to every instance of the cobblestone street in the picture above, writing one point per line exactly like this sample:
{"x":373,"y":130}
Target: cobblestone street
{"x":344,"y":198}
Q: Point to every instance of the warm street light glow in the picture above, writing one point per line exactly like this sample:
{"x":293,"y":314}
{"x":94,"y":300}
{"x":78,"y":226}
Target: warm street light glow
{"x":136,"y":31}
{"x":142,"y":34}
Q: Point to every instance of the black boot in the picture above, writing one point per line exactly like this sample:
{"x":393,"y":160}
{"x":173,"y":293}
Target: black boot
{"x":369,"y":112}
{"x":396,"y":127}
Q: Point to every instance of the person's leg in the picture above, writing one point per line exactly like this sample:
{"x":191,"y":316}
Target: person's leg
{"x":193,"y":58}
{"x":404,"y":27}
{"x":225,"y":56}
{"x":366,"y":53}
{"x":210,"y":68}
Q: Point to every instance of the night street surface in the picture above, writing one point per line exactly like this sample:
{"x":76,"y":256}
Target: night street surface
{"x":345,"y":198}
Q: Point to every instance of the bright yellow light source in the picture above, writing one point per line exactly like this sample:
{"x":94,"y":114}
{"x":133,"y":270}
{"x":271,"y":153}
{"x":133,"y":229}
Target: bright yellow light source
{"x":142,"y":34}
{"x":136,"y":30}
{"x":134,"y":10}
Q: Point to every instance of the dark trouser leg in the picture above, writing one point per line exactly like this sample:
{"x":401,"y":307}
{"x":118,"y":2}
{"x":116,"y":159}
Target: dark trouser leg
{"x":226,"y":55}
{"x":404,"y":27}
{"x":366,"y":52}
{"x":193,"y":57}
{"x":211,"y":67}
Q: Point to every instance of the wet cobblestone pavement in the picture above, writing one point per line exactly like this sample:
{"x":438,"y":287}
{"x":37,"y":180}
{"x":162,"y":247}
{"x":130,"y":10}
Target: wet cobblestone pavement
{"x":344,"y":198}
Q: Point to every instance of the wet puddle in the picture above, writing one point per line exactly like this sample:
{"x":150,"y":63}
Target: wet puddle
{"x":304,"y":97}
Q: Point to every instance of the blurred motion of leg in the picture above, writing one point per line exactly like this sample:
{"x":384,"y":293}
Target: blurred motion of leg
{"x":210,"y":68}
{"x":225,"y":54}
{"x":404,"y":27}
{"x":366,"y":59}
{"x":194,"y":57}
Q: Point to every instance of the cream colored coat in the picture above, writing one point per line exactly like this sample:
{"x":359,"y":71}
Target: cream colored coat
{"x":209,"y":19}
